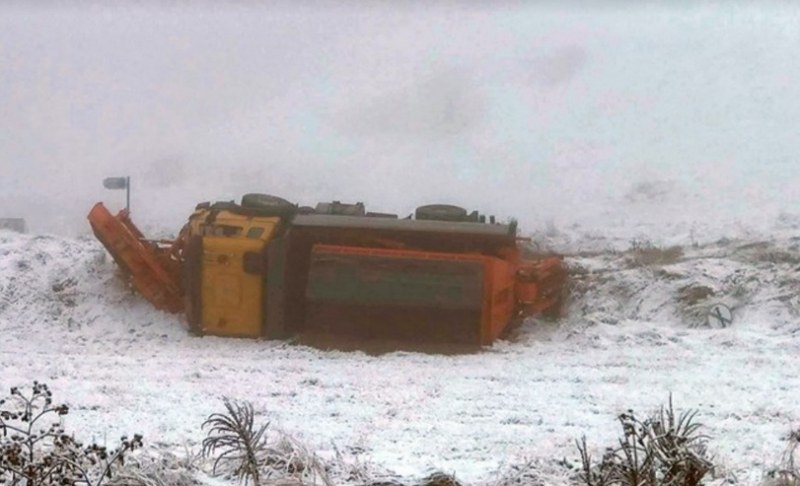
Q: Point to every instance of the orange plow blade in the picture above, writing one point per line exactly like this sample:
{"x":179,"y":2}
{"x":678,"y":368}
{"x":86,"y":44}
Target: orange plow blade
{"x":541,"y":286}
{"x":150,"y":268}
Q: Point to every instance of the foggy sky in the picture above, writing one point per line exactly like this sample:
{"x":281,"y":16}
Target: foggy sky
{"x":534,"y":112}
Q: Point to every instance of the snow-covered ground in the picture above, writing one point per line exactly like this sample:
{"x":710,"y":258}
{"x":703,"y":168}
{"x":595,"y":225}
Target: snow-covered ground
{"x":655,"y":146}
{"x":635,"y":334}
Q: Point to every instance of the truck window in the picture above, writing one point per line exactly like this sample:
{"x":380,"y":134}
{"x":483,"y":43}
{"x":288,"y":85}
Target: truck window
{"x":255,"y":232}
{"x":221,"y":230}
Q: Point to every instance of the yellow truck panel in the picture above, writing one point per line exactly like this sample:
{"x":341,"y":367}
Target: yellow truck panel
{"x":232,"y":266}
{"x":230,"y":297}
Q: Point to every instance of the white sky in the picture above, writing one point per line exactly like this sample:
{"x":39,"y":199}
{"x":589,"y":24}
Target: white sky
{"x":523,"y":111}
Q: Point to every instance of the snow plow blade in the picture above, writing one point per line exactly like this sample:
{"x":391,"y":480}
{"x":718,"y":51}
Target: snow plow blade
{"x":149,"y":267}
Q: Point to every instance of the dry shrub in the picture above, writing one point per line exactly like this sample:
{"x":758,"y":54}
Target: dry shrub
{"x":288,"y":458}
{"x":788,"y":473}
{"x":165,"y":469}
{"x":768,"y":252}
{"x":532,"y":472}
{"x":645,"y":253}
{"x":36,"y":450}
{"x":350,"y":468}
{"x":520,"y":474}
{"x":241,"y":450}
{"x":693,"y":303}
{"x":663,"y":450}
{"x":235,"y":441}
{"x":779,"y":257}
{"x":694,"y":294}
{"x":439,"y":478}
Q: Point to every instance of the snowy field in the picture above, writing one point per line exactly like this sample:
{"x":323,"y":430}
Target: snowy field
{"x":636,"y":333}
{"x":656,"y":147}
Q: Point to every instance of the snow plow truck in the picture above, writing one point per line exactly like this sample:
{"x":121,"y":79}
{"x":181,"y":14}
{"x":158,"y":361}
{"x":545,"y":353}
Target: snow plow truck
{"x":267,"y":268}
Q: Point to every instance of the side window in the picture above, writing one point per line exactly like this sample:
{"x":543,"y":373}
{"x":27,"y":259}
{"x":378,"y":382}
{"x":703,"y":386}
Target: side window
{"x":255,"y":232}
{"x":220,"y":230}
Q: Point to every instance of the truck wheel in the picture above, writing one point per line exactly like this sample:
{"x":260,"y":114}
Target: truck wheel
{"x":265,"y":201}
{"x":441,"y":212}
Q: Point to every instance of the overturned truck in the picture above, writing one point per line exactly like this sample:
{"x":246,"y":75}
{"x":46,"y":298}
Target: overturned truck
{"x":268,"y":268}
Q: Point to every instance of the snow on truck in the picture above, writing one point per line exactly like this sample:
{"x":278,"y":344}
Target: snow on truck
{"x":268,"y":268}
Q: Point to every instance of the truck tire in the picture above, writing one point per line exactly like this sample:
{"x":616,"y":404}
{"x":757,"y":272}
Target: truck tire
{"x":267,"y":205}
{"x":441,"y":212}
{"x":265,"y":201}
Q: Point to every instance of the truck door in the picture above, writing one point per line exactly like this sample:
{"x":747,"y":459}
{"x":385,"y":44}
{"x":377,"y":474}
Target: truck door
{"x":232,"y":287}
{"x":227,"y":278}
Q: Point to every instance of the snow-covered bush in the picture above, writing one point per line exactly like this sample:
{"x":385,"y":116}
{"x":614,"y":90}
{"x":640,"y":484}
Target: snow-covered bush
{"x":663,"y":450}
{"x":159,"y":468}
{"x":238,"y":445}
{"x":788,"y":472}
{"x":241,"y":450}
{"x":36,"y":450}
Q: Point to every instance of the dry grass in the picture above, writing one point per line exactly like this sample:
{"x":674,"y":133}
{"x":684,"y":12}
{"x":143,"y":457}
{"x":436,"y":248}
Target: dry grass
{"x":645,"y":253}
{"x":691,"y":295}
{"x":235,"y":442}
{"x":788,"y":472}
{"x":666,"y":449}
{"x":241,"y":450}
{"x":165,"y":469}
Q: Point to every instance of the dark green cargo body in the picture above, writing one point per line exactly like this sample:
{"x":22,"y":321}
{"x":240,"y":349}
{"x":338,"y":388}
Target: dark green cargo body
{"x":394,"y":296}
{"x":373,"y":280}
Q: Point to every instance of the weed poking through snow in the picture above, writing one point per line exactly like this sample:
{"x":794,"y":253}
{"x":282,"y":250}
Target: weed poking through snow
{"x":788,"y":473}
{"x":241,"y":450}
{"x":236,"y":442}
{"x":663,"y":450}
